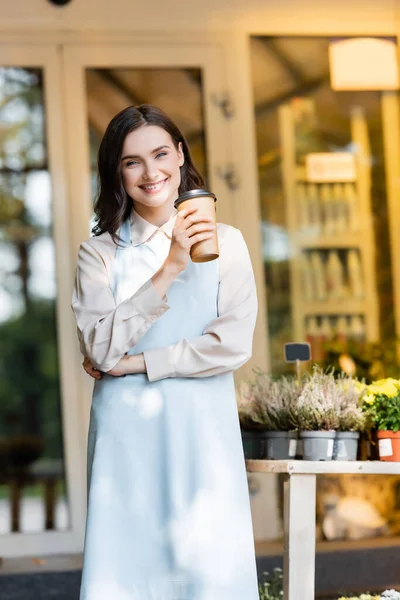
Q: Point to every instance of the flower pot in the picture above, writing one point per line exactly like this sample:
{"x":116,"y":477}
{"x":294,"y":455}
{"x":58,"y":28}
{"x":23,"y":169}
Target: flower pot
{"x":281,"y":445}
{"x":346,"y":445}
{"x":389,"y":445}
{"x":318,"y":445}
{"x":254,"y":444}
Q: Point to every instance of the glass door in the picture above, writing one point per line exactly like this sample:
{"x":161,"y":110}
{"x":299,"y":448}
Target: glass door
{"x":41,"y":481}
{"x":185,"y":80}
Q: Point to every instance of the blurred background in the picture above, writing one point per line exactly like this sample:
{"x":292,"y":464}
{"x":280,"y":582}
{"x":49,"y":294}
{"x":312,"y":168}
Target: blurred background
{"x":292,"y":113}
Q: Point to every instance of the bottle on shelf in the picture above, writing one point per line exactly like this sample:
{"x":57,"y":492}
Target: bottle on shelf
{"x":307,"y":277}
{"x":326,"y":332}
{"x":328,"y":208}
{"x":340,"y":208}
{"x":303,"y":207}
{"x":342,"y":329}
{"x":318,"y":272}
{"x":314,"y":206}
{"x":313,"y":337}
{"x":357,"y":328}
{"x":354,"y":269}
{"x":335,"y":276}
{"x":353,"y":212}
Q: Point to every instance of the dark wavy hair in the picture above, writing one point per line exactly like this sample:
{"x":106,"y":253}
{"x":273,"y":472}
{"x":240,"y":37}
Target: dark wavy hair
{"x":113,"y":205}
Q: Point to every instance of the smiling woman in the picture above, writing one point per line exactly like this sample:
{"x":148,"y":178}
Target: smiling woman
{"x":167,"y":481}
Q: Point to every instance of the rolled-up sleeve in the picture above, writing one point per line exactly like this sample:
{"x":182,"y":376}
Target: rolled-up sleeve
{"x":106,"y":331}
{"x":226,"y":343}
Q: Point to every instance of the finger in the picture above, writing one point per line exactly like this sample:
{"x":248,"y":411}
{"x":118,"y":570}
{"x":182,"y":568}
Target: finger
{"x":95,"y":374}
{"x":191,"y":220}
{"x":200,"y":228}
{"x":182,"y":214}
{"x":199,"y":237}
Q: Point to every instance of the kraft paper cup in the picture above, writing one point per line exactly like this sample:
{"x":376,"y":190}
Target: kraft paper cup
{"x":204,"y":200}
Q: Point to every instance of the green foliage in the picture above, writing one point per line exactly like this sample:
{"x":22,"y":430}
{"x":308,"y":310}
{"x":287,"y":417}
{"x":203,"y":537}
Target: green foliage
{"x":385,"y":412}
{"x":29,"y":385}
{"x":272,"y":586}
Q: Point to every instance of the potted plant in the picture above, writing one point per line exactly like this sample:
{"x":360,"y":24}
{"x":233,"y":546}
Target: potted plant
{"x":250,"y":418}
{"x":272,"y":586}
{"x":275,"y":397}
{"x":352,"y":419}
{"x":381,"y":404}
{"x":316,"y":414}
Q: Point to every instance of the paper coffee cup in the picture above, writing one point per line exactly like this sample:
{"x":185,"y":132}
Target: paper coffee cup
{"x":204,"y":200}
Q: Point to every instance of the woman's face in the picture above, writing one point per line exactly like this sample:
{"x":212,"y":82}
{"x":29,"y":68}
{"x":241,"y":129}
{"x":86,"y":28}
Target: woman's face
{"x":150,"y":166}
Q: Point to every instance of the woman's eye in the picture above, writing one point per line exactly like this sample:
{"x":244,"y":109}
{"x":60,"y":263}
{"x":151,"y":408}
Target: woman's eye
{"x":131,"y":163}
{"x":161,"y":154}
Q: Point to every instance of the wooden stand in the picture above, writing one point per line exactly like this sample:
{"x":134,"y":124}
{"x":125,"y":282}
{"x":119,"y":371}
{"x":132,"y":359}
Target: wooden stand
{"x":299,"y":513}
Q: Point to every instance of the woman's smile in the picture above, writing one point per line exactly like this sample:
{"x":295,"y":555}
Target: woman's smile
{"x":153,"y":188}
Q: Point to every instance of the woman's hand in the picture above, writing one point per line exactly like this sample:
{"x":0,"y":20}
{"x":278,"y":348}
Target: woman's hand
{"x":91,"y":370}
{"x":189,"y":229}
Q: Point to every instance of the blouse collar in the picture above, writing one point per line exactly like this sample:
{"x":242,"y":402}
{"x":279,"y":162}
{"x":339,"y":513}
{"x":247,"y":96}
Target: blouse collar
{"x":142,"y":231}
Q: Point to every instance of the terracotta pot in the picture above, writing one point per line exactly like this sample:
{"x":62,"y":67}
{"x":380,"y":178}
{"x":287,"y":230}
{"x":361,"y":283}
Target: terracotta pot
{"x":389,"y":445}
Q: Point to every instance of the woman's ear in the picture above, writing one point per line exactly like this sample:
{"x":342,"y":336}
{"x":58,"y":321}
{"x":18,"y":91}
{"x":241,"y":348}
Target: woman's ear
{"x":181,"y":156}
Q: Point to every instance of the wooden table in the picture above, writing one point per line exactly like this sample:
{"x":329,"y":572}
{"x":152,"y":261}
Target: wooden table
{"x":299,"y":513}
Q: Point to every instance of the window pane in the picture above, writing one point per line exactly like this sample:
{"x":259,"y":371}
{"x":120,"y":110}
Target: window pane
{"x":32,"y":483}
{"x":326,"y":244}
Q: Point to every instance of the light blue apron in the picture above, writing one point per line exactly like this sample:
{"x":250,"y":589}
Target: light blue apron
{"x":168,"y":505}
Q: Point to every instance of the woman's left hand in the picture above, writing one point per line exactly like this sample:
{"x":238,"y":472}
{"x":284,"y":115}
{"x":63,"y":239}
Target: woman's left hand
{"x":90,"y":369}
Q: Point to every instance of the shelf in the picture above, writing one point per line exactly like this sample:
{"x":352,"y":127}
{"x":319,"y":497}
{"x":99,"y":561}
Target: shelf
{"x":306,"y":236}
{"x":337,"y":307}
{"x":335,"y":467}
{"x":301,"y":177}
{"x":340,"y":240}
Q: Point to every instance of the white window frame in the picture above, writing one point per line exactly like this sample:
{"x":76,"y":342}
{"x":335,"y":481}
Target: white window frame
{"x":70,"y":540}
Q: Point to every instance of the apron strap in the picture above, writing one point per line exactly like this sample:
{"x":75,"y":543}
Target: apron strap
{"x":123,"y":244}
{"x":125,"y":235}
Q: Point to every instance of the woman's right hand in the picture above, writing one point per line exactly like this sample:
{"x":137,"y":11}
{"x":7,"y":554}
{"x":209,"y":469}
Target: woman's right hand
{"x":189,"y":229}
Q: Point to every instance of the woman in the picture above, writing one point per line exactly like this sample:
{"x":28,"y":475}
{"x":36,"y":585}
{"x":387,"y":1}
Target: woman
{"x":168,"y":507}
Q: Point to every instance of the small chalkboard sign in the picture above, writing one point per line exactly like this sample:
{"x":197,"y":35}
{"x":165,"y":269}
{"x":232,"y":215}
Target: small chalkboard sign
{"x":295,"y":352}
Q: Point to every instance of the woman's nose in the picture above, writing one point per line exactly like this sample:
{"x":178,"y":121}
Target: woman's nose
{"x":150,"y":172}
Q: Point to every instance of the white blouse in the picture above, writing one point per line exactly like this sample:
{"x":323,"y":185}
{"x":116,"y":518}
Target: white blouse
{"x":107,"y":331}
